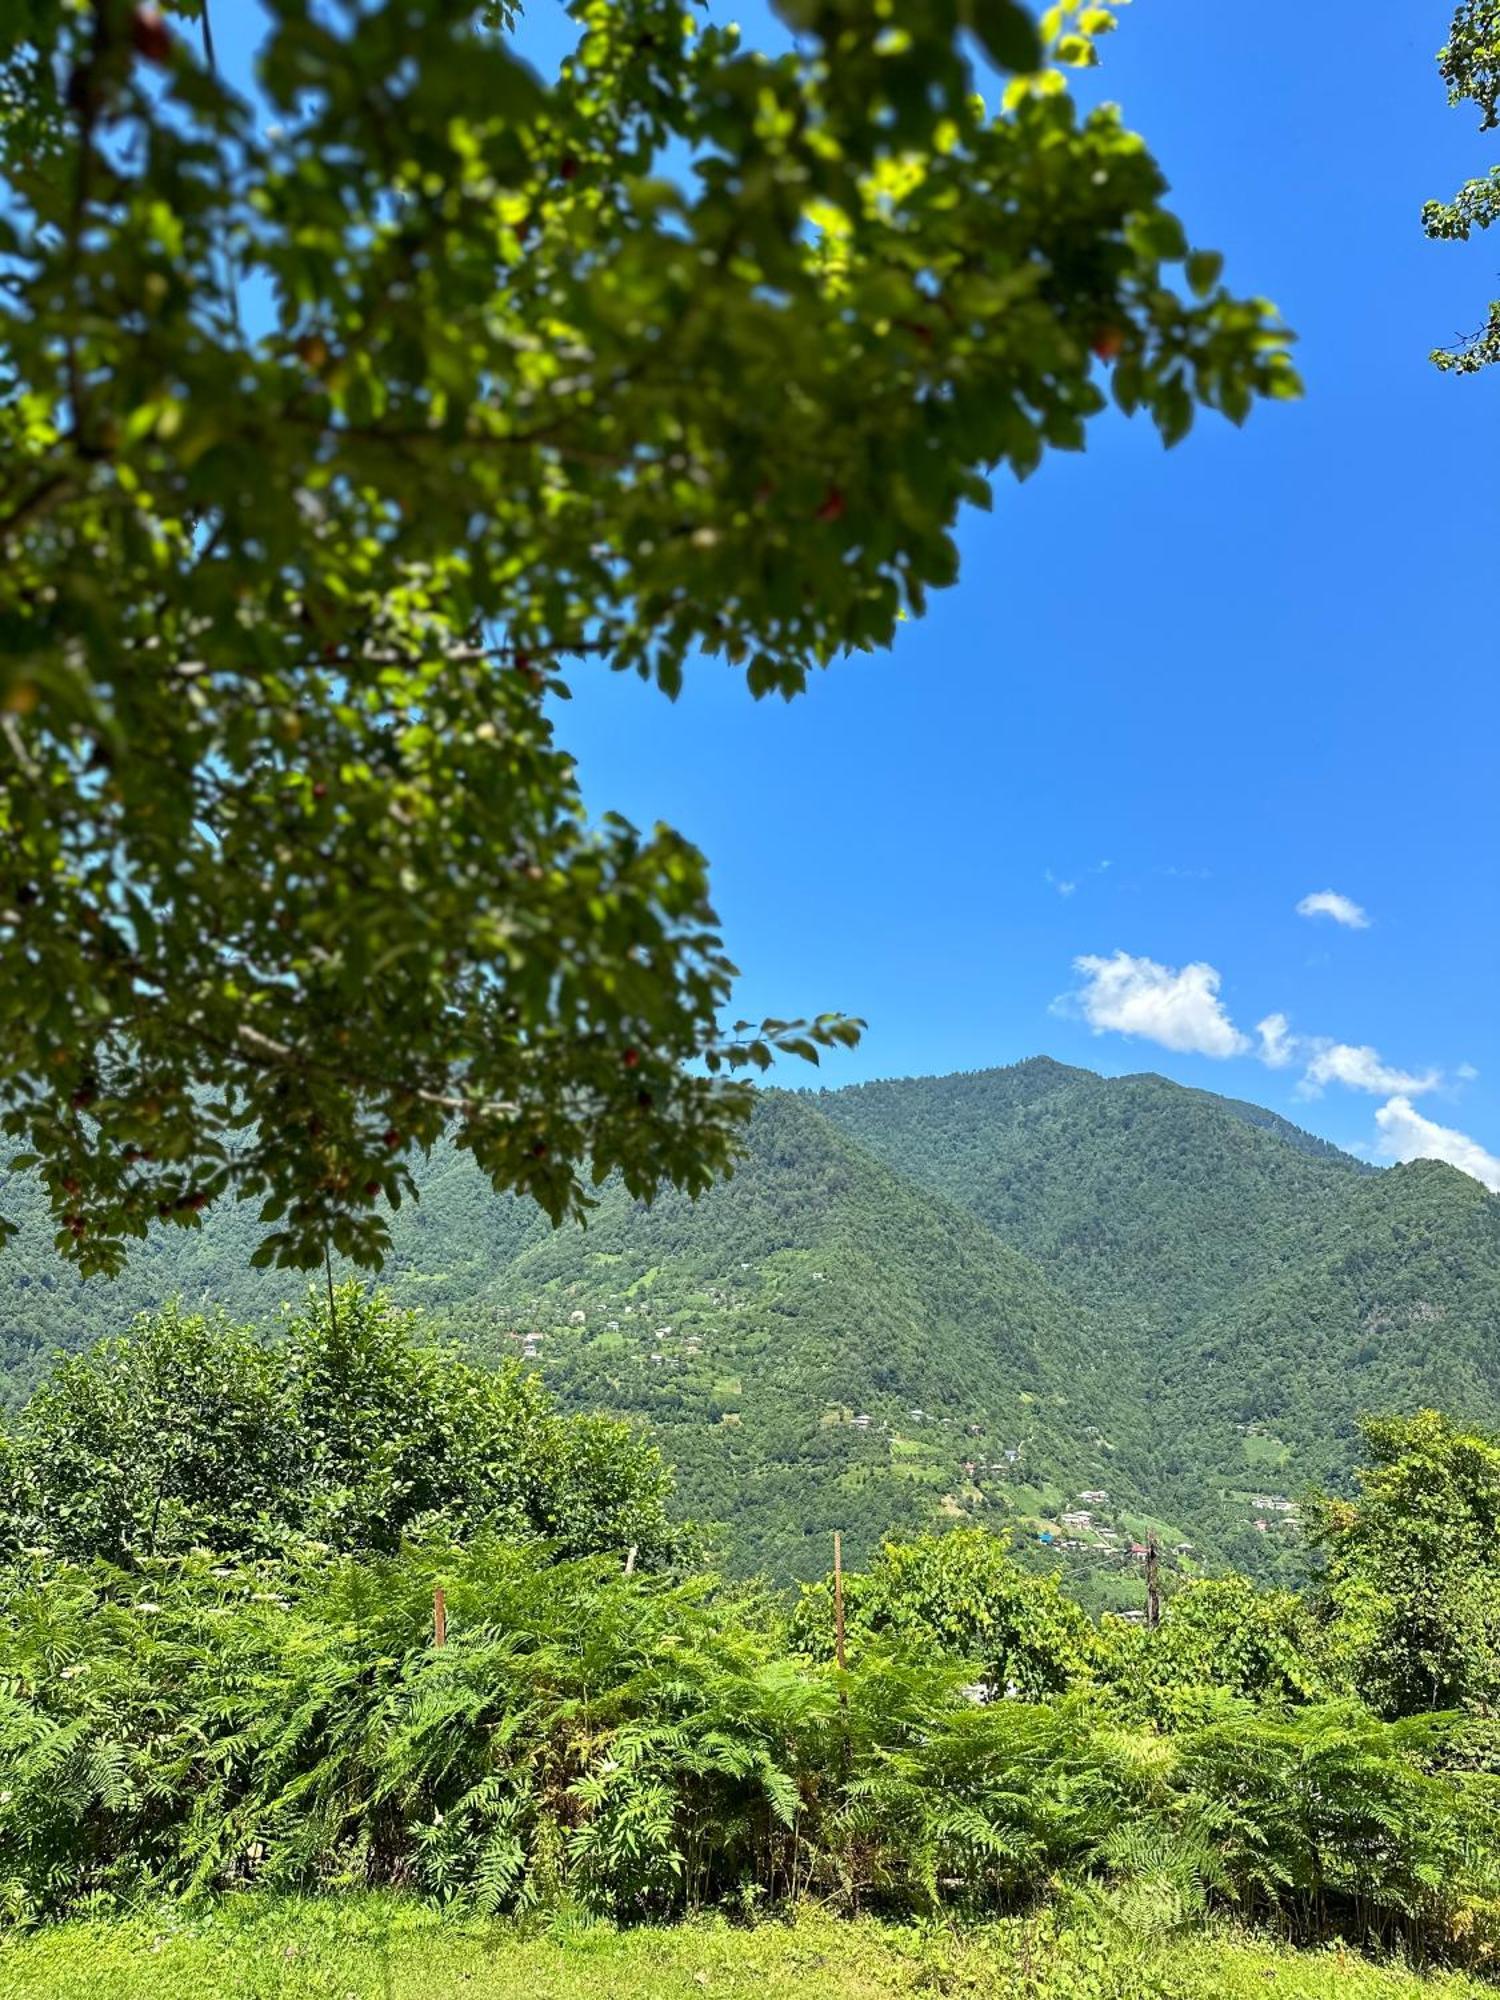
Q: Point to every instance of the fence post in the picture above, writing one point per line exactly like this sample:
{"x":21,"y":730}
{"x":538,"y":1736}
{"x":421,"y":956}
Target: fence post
{"x":1153,"y":1583}
{"x":838,"y":1597}
{"x":630,"y":1560}
{"x":439,"y":1618}
{"x":838,"y":1648}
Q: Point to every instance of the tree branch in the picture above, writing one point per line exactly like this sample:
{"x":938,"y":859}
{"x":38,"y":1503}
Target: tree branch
{"x":41,"y":500}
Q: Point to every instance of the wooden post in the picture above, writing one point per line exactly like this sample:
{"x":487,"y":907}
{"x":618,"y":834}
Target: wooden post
{"x":838,"y":1646}
{"x":439,"y":1618}
{"x":838,"y":1597}
{"x":1153,"y":1583}
{"x":630,"y":1561}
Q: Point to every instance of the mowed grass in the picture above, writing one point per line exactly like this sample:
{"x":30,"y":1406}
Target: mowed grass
{"x":367,"y":1947}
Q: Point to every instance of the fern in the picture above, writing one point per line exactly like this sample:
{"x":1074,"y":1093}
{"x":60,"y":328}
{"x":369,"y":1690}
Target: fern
{"x":631,"y":1746}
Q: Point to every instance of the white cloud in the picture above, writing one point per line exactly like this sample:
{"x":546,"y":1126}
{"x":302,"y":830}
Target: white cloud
{"x":1179,"y":1009}
{"x":1056,"y":882}
{"x":1329,"y":903}
{"x":1406,"y":1135}
{"x":1278,"y":1046}
{"x":1360,"y":1069}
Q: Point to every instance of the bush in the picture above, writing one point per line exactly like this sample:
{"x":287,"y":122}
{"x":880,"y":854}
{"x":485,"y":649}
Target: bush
{"x":642,"y":1746}
{"x":190,"y":1433}
{"x":961,"y":1595}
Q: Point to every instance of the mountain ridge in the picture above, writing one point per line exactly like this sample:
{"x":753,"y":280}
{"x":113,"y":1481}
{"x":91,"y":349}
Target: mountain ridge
{"x":970,"y":1296}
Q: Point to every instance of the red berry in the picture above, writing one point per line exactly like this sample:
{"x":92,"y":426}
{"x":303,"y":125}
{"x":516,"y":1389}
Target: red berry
{"x":372,"y":1188}
{"x":567,"y":168}
{"x":539,"y":1150}
{"x":1108,"y":343}
{"x":151,"y":36}
{"x":390,"y":1136}
{"x":631,"y":1058}
{"x":832,"y":507}
{"x":320,"y":791}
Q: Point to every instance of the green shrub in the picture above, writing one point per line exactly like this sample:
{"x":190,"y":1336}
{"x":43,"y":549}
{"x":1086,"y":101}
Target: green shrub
{"x":351,"y":1430}
{"x":642,"y":1746}
{"x":961,"y":1595}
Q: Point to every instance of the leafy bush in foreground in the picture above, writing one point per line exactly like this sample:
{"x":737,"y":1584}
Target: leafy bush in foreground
{"x":189,"y":1432}
{"x":643,"y":1746}
{"x":961,"y":1594}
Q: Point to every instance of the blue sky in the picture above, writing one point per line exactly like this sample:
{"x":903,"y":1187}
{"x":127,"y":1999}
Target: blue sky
{"x":1173,"y":694}
{"x":1197,"y":686}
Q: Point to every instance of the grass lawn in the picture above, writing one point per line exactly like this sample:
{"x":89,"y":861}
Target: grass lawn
{"x":366,"y":1947}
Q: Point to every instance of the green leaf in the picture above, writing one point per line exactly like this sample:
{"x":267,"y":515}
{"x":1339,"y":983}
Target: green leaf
{"x":1204,"y":268}
{"x":1007,"y":33}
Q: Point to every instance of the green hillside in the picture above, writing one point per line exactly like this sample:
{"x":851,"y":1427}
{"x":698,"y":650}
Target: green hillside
{"x":1256,"y":1289}
{"x":448,"y":1250}
{"x":1150,"y":1201}
{"x":964,"y":1297}
{"x":819,"y":1344}
{"x":1393,"y":1305}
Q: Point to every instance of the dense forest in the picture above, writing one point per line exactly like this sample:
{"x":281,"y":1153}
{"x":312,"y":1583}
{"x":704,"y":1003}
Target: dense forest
{"x":961,"y":1299}
{"x":349,"y":1611}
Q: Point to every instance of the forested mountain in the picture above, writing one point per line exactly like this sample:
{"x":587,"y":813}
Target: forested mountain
{"x":819,"y":1343}
{"x":959,"y":1297}
{"x":1256,"y":1289}
{"x":1393,"y":1304}
{"x":1151,"y":1201}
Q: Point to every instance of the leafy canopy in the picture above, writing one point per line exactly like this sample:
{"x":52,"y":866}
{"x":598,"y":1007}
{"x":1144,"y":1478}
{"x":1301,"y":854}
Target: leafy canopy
{"x":959,"y":1595}
{"x":349,"y":1433}
{"x":332,"y":422}
{"x":1470,"y":65}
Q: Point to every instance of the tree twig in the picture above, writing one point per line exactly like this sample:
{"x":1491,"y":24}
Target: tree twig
{"x":41,"y":500}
